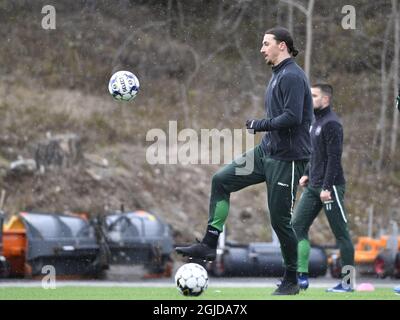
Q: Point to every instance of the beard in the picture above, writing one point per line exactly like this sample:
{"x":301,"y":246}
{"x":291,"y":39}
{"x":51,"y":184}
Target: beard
{"x":268,"y":61}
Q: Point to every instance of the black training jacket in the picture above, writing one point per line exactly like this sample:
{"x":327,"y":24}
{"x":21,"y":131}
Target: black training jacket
{"x":289,"y":113}
{"x":325,"y":168}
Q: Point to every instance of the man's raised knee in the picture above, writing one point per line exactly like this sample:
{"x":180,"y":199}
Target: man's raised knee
{"x":218,"y":179}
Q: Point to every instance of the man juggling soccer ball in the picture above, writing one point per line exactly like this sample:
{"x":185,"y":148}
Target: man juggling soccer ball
{"x":279,"y":161}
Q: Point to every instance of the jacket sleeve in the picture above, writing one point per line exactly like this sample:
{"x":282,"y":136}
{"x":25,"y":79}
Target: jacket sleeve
{"x":292,"y":88}
{"x":333,"y":139}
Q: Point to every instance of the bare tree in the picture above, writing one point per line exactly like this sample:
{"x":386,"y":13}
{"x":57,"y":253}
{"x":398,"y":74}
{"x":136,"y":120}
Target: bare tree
{"x":395,"y":124}
{"x":228,"y":19}
{"x":255,"y":99}
{"x":290,"y":16}
{"x":169,"y":18}
{"x":181,"y":15}
{"x":385,"y":78}
{"x":308,"y":12}
{"x":131,"y":38}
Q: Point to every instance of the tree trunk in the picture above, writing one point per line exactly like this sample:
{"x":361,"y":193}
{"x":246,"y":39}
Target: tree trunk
{"x":308,"y":51}
{"x":169,"y":18}
{"x":185,"y":104}
{"x":308,"y":12}
{"x":384,"y":91}
{"x":395,"y":124}
{"x":290,"y":17}
{"x":181,"y":15}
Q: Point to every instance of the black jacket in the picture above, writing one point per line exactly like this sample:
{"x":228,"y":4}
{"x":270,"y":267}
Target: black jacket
{"x":325,"y":168}
{"x":288,"y":105}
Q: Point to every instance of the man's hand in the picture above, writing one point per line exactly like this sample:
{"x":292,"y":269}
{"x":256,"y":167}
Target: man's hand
{"x":255,"y":125}
{"x":303,"y":181}
{"x":325,"y":195}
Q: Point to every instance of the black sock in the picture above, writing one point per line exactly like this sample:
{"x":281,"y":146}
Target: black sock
{"x":291,"y":276}
{"x":211,"y":237}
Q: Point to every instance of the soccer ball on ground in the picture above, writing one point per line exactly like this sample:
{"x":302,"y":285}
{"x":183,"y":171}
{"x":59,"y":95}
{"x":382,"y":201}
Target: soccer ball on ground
{"x":191,"y":279}
{"x":123,"y":86}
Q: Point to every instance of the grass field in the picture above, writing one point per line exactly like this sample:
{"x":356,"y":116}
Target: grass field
{"x":162,"y":293}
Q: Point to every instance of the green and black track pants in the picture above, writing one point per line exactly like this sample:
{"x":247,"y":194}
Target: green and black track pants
{"x":307,"y":210}
{"x":281,"y":178}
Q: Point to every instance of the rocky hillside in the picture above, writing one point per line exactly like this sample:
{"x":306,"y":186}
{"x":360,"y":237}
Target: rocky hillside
{"x":198,"y":65}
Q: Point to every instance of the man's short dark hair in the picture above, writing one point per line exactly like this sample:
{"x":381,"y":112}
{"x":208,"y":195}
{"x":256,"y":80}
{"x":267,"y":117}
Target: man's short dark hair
{"x":325,"y":88}
{"x":283,"y":35}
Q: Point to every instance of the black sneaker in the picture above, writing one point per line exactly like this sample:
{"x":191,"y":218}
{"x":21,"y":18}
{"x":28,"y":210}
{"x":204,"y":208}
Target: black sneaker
{"x":287,"y":288}
{"x":199,"y":251}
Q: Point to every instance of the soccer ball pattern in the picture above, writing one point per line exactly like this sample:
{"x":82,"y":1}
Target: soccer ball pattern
{"x":191,"y":279}
{"x":123,"y":86}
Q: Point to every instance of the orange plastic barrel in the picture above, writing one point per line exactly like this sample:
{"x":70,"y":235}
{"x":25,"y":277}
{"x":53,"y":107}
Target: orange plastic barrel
{"x":15,"y":246}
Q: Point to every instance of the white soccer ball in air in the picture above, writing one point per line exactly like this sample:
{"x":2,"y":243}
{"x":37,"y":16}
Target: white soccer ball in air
{"x":191,"y":279}
{"x":123,"y":86}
